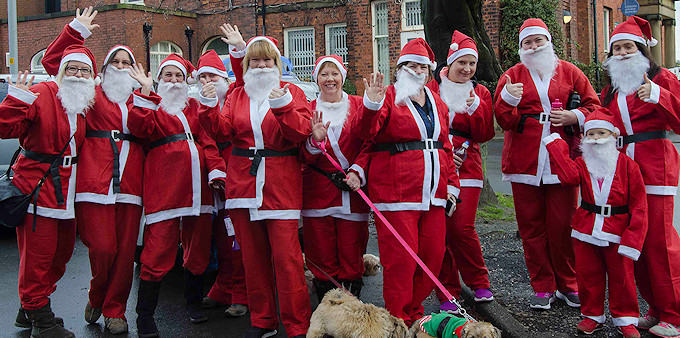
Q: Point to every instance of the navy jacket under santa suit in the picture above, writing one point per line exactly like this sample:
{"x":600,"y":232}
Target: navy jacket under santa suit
{"x":660,"y":165}
{"x":606,"y":245}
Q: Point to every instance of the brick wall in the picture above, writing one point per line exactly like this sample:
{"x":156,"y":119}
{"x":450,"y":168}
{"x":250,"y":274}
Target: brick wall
{"x":491,"y":14}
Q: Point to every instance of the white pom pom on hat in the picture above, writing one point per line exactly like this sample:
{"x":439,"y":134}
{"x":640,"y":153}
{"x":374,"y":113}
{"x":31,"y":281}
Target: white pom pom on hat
{"x":454,"y":46}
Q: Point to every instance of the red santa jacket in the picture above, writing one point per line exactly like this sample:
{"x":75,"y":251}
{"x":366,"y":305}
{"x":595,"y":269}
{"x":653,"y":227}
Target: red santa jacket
{"x":658,"y":159}
{"x":320,"y":197}
{"x":42,"y":125}
{"x":404,"y":181}
{"x":524,"y":158}
{"x":477,"y":123}
{"x":625,"y":187}
{"x":174,"y":179}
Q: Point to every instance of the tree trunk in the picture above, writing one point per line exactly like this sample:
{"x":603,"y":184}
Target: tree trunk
{"x":441,"y":18}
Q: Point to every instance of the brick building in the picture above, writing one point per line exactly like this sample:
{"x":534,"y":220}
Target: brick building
{"x":367,"y":34}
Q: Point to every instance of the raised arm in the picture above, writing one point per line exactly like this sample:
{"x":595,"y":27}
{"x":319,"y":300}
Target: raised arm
{"x":374,"y":112}
{"x":289,"y":106}
{"x":508,"y":96}
{"x":481,"y":115}
{"x":560,"y":163}
{"x":73,"y":33}
{"x":237,"y":50}
{"x":17,"y":110}
{"x":664,"y":92}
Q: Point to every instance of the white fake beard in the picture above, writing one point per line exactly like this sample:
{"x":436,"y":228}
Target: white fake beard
{"x":408,"y":84}
{"x":600,"y":156}
{"x":335,"y":112}
{"x":542,"y":60}
{"x":259,"y":82}
{"x":627,"y":72}
{"x":174,"y":96}
{"x":117,"y":84}
{"x":221,"y":86}
{"x":76,"y":94}
{"x":455,"y":94}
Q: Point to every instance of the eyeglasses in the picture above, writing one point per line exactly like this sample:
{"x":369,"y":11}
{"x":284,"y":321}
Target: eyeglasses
{"x":74,"y":70}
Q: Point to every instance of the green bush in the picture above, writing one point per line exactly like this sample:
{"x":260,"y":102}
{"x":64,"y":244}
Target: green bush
{"x":349,"y":87}
{"x":590,"y":70}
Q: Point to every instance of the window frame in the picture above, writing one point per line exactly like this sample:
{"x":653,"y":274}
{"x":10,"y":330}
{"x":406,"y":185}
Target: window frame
{"x":404,"y":26}
{"x":375,"y":36}
{"x":327,"y":29}
{"x":287,"y":48}
{"x":606,"y":26}
{"x":153,"y":53}
{"x":36,"y":65}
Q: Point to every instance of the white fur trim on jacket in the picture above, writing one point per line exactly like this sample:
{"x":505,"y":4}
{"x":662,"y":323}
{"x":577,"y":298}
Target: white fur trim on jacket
{"x":21,"y":95}
{"x":629,"y":252}
{"x":311,"y":148}
{"x":370,"y":105}
{"x":141,"y":102}
{"x":580,"y":116}
{"x":473,"y":107}
{"x":238,"y":54}
{"x":360,"y":171}
{"x":509,"y":98}
{"x":550,"y":138}
{"x":80,"y":28}
{"x":662,"y":190}
{"x":282,"y":101}
{"x":216,"y":174}
{"x":654,"y":95}
{"x":207,"y":101}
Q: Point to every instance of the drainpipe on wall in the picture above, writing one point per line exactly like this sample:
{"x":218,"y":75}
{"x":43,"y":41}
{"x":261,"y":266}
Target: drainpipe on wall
{"x":595,"y":55}
{"x":264,"y":13}
{"x":189,"y":33}
{"x":147,"y":32}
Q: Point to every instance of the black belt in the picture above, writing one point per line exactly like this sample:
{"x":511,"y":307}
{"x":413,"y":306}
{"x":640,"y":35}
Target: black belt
{"x":456,"y":132}
{"x":113,"y":136}
{"x":258,"y":154}
{"x":394,"y":148}
{"x":523,"y":119}
{"x":223,"y":145}
{"x":442,"y":326}
{"x":639,"y":137}
{"x":604,"y":210}
{"x":172,"y":138}
{"x":66,"y":161}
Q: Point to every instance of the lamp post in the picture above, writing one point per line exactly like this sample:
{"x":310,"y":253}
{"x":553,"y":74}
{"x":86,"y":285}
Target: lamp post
{"x":188,"y":32}
{"x":147,"y":32}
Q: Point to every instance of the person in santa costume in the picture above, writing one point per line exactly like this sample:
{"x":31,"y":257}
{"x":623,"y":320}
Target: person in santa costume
{"x":335,"y":221}
{"x":180,"y":154}
{"x":230,"y":285}
{"x":471,"y":120}
{"x":411,"y":176}
{"x":266,"y":120}
{"x":645,"y":101}
{"x":610,"y":226}
{"x":46,"y":118}
{"x":524,"y":101}
{"x":108,"y":207}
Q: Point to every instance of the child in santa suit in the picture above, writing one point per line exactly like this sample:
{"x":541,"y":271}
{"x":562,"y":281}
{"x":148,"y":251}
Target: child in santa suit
{"x":174,"y":186}
{"x":335,"y":220}
{"x":645,"y":101}
{"x":411,"y":176}
{"x":471,"y":120}
{"x":523,"y":108}
{"x":266,"y":120}
{"x":230,"y":285}
{"x":610,"y":226}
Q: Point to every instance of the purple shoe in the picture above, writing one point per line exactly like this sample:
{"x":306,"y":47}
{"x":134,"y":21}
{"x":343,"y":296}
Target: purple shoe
{"x":449,"y":307}
{"x":483,"y":295}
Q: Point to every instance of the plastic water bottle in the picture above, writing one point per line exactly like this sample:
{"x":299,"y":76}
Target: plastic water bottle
{"x":462,"y":151}
{"x":557,"y":105}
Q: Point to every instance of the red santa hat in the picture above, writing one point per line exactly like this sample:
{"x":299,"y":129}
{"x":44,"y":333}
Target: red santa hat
{"x":178,"y":61}
{"x":210,"y":62}
{"x":461,"y":44}
{"x":115,"y":49}
{"x":636,"y":29}
{"x":600,"y":118}
{"x":533,"y":26}
{"x":79,"y":53}
{"x":269,"y":39}
{"x":334,"y":59}
{"x":417,"y":50}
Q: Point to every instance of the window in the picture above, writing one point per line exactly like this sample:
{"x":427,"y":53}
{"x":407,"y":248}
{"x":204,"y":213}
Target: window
{"x":52,"y":6}
{"x":220,"y":47}
{"x":606,"y":16}
{"x":300,"y":50}
{"x":134,"y":2}
{"x":336,"y":40}
{"x":160,"y":51}
{"x":411,"y":17}
{"x":36,"y":62}
{"x":381,"y":47}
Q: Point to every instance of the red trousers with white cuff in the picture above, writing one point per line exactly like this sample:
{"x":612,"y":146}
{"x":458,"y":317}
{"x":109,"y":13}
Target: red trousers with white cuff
{"x":594,"y":266}
{"x":544,"y":215}
{"x":405,"y":284}
{"x":271,"y":248}
{"x":657,"y":271}
{"x":43,"y":256}
{"x":463,"y":248}
{"x":160,"y":246}
{"x":230,"y":285}
{"x":110,"y":233}
{"x":336,"y":246}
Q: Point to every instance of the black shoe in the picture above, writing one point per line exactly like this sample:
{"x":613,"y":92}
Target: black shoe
{"x":256,"y":332}
{"x":196,"y":314}
{"x":45,"y":325}
{"x":353,"y":286}
{"x":322,"y":286}
{"x":147,"y":300}
{"x":193,"y":293}
{"x":23,"y":322}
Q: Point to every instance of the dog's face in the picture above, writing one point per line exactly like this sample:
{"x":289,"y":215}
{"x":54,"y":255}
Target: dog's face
{"x":371,"y":265}
{"x":480,"y":330}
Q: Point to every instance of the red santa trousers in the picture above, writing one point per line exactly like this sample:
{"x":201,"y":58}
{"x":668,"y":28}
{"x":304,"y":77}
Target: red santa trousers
{"x":160,"y":246}
{"x":544,"y":216}
{"x":271,"y":248}
{"x":463,"y":249}
{"x":336,"y":246}
{"x":657,"y":272}
{"x":43,"y":256}
{"x":405,"y":285}
{"x":594,"y":265}
{"x":230,"y":284}
{"x":110,"y":233}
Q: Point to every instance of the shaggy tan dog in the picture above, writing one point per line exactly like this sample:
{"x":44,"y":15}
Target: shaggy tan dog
{"x":342,"y":315}
{"x":470,"y":330}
